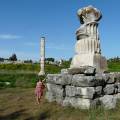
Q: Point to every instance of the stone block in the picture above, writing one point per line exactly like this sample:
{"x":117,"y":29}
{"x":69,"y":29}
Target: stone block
{"x":111,"y":78}
{"x":86,"y":81}
{"x":59,"y":79}
{"x":117,"y":96}
{"x":89,"y":59}
{"x":76,"y":70}
{"x":101,"y":78}
{"x":87,"y":70}
{"x":56,"y":90}
{"x":109,"y":89}
{"x":118,"y":86}
{"x":82,"y":92}
{"x":64,"y":71}
{"x":108,"y":101}
{"x":59,"y":99}
{"x":117,"y":75}
{"x":49,"y":96}
{"x":90,"y":70}
{"x":98,"y":90}
{"x":70,"y":91}
{"x":79,"y":102}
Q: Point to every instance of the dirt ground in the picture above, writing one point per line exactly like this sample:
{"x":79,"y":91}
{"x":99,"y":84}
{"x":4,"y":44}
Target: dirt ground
{"x":20,"y":104}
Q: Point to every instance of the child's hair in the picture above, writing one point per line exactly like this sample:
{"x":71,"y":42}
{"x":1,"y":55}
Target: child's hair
{"x":40,"y":78}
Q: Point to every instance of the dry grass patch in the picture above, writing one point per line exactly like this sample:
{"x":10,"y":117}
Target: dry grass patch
{"x":20,"y":104}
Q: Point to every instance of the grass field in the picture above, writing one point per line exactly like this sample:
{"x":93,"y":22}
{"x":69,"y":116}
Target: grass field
{"x":17,"y":100}
{"x":114,"y":66}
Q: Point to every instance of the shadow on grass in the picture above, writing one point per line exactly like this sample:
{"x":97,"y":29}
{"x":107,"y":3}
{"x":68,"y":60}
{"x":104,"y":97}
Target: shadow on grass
{"x":13,"y":116}
{"x":43,"y":116}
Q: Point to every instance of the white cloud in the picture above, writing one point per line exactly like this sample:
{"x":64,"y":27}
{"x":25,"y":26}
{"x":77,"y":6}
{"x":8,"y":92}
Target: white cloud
{"x":9,"y":36}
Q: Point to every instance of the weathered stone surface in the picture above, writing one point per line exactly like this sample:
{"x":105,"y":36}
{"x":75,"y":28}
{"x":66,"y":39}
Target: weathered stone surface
{"x":64,"y":71}
{"x":50,"y":97}
{"x":111,"y":78}
{"x":118,"y":86}
{"x":117,"y":74}
{"x":79,"y":102}
{"x":59,"y":99}
{"x":56,"y":90}
{"x":117,"y":96}
{"x":101,"y":77}
{"x":76,"y":70}
{"x":87,"y":70}
{"x":90,"y":71}
{"x":82,"y":92}
{"x":98,"y":90}
{"x":106,"y":77}
{"x":108,"y":101}
{"x":87,"y":47}
{"x":86,"y":81}
{"x":109,"y":89}
{"x":70,"y":91}
{"x":60,"y":79}
{"x":55,"y":93}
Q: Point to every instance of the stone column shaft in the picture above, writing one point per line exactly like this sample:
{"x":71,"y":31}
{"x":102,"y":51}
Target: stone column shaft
{"x":42,"y":56}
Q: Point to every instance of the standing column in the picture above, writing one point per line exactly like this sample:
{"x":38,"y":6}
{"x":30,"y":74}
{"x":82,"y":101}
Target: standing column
{"x":42,"y":55}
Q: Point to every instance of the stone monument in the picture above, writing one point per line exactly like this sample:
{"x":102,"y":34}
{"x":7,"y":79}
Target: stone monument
{"x":42,"y":58}
{"x":87,"y":48}
{"x":85,"y":84}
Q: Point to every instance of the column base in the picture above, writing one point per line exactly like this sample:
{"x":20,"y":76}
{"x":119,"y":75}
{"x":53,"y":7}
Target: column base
{"x":41,"y":73}
{"x":94,"y":60}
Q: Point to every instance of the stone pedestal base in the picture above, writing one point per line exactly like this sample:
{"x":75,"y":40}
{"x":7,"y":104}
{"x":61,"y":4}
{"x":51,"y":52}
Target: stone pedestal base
{"x":41,"y":73}
{"x":94,"y":60}
{"x":84,"y":91}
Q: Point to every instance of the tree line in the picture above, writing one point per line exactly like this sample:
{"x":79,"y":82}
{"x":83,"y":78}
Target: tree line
{"x":13,"y":57}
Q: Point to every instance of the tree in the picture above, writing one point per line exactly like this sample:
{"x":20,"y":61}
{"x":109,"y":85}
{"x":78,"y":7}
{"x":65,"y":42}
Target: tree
{"x":28,"y":61}
{"x":13,"y":57}
{"x":50,"y":59}
{"x":1,"y":59}
{"x":70,"y":59}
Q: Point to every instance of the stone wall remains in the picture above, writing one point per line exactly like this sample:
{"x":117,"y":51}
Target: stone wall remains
{"x":83,"y":88}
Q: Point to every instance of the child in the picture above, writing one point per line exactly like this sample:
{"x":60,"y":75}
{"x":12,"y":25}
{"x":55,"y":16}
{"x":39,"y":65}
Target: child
{"x":39,"y":90}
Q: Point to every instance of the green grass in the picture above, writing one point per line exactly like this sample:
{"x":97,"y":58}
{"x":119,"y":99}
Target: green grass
{"x":114,"y":66}
{"x":18,"y":103}
{"x":25,"y":75}
{"x":18,"y":80}
{"x":29,"y":68}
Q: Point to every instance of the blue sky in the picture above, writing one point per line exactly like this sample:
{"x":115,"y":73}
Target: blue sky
{"x":23,"y":22}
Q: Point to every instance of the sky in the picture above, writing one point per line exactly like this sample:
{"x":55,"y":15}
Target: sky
{"x":24,"y":22}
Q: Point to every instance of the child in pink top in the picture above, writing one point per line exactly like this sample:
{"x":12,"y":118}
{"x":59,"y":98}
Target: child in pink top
{"x":39,"y":90}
